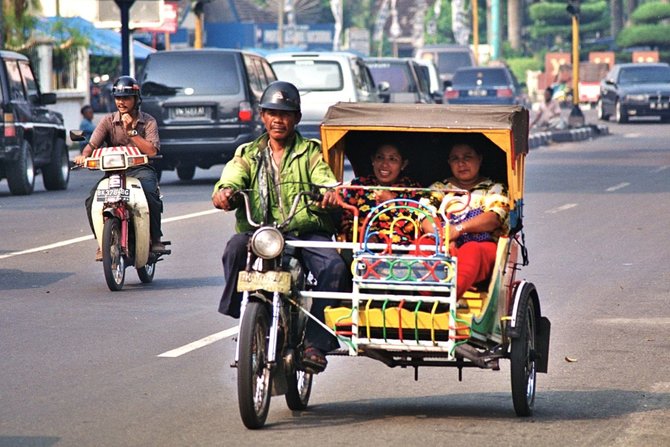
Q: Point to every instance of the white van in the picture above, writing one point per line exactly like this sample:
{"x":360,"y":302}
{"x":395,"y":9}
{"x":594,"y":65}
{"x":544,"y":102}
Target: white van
{"x":448,"y":58}
{"x":323,"y":79}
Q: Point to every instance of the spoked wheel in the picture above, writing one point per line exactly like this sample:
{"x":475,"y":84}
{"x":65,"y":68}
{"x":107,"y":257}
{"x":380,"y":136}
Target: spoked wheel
{"x":113,"y":261}
{"x":254,"y":379}
{"x":146,"y":273}
{"x":299,"y":390}
{"x":523,"y":368}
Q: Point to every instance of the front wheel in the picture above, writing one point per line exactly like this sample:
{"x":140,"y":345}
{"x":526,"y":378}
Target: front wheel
{"x":113,"y":262}
{"x":523,"y":367}
{"x":600,"y":110}
{"x":21,"y":172}
{"x":254,"y":378}
{"x":57,"y":173}
{"x":620,"y":113}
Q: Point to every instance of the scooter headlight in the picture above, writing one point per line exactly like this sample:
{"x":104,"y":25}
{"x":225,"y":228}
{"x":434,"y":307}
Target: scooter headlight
{"x":267,"y":243}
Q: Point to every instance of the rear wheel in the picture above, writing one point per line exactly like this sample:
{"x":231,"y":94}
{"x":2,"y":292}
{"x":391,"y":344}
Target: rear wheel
{"x":57,"y":173}
{"x":254,"y":378}
{"x":113,"y":262}
{"x":146,"y":273}
{"x":21,"y":172}
{"x":523,"y":369}
{"x":299,"y":390}
{"x":185,"y":172}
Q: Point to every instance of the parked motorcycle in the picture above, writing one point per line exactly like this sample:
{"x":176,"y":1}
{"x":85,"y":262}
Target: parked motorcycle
{"x":273,"y":319}
{"x":120,"y":214}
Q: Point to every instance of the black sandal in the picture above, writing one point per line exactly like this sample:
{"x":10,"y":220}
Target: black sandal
{"x":313,"y":360}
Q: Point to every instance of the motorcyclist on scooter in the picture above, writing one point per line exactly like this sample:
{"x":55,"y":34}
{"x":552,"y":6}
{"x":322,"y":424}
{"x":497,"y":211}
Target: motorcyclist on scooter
{"x":130,"y":127}
{"x":296,"y":162}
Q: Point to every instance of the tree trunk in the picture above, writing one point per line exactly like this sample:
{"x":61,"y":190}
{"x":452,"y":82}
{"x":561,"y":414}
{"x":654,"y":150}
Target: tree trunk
{"x":631,"y":5}
{"x":514,"y":23}
{"x":617,"y":17}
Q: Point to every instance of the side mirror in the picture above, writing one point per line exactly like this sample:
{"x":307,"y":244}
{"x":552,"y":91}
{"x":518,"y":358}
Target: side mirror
{"x":77,"y":135}
{"x":383,"y":87}
{"x":48,"y":98}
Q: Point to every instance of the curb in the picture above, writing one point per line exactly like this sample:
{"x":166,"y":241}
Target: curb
{"x":537,"y":139}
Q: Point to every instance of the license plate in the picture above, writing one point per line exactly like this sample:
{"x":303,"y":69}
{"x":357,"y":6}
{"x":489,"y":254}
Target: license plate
{"x":115,"y":194}
{"x":189,"y":112}
{"x":477,"y":92}
{"x":270,"y":281}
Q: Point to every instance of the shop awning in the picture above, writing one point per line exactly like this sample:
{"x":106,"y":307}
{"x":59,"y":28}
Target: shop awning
{"x":103,"y":42}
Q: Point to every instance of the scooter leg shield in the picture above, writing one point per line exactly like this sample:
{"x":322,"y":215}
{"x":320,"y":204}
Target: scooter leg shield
{"x":139,"y":209}
{"x":96,"y":212}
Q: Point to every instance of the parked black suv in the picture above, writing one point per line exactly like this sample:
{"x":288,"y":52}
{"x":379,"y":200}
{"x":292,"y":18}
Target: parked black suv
{"x":205,"y":102}
{"x":32,"y":138}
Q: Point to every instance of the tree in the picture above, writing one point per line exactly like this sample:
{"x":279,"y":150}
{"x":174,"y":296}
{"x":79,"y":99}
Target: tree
{"x":649,"y":27}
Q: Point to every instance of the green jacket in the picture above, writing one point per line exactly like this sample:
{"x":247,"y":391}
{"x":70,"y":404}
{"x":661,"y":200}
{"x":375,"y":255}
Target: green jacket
{"x":302,"y":164}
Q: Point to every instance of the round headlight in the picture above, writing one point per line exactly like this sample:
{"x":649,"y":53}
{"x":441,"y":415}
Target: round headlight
{"x":267,"y":243}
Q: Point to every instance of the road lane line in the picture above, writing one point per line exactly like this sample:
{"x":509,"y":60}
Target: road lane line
{"x":660,"y":169}
{"x":616,"y":187}
{"x":200,"y":343}
{"x":567,"y":206}
{"x":86,"y":238}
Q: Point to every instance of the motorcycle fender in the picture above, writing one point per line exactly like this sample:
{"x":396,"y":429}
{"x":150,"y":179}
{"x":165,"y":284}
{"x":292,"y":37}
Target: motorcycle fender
{"x":139,"y":210}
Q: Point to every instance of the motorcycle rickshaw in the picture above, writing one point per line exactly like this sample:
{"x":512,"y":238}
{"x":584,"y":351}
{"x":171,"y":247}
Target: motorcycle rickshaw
{"x":402,"y":309}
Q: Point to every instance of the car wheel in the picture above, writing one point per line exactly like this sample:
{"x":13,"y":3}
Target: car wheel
{"x":185,"y":172}
{"x":620,"y":113}
{"x":57,"y":173}
{"x":21,"y":172}
{"x":600,"y":110}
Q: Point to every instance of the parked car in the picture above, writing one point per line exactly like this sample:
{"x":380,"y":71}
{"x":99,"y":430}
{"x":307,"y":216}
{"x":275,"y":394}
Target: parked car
{"x":32,"y":139}
{"x":205,"y":102}
{"x":400,"y":80}
{"x":635,"y":89}
{"x":429,"y":72}
{"x":447,"y":58}
{"x":323,"y":79}
{"x":485,"y":85}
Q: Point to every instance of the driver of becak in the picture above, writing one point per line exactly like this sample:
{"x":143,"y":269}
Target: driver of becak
{"x":128,"y":126}
{"x":295,"y":163}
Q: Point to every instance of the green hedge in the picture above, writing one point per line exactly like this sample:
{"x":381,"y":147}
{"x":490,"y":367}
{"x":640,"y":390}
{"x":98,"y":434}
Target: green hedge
{"x":644,"y":35}
{"x":651,"y":13}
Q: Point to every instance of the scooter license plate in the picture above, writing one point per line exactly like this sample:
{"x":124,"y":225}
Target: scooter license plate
{"x":270,"y":281}
{"x":113,"y":195}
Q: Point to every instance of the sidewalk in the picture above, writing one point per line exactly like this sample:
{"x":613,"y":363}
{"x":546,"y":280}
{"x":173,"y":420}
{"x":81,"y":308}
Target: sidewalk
{"x":537,"y":138}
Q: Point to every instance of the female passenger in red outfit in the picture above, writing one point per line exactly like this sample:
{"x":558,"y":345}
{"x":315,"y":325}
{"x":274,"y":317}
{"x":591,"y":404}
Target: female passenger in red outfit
{"x":473,"y":230}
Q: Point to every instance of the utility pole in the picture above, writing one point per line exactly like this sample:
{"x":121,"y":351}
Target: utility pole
{"x":576,"y":118}
{"x":124,"y":6}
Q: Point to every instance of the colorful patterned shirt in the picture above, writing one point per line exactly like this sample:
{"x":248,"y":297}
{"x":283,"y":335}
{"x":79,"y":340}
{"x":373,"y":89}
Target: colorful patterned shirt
{"x":365,"y":201}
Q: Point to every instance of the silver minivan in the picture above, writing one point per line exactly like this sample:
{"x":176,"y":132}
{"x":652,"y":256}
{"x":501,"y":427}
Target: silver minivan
{"x":323,"y":79}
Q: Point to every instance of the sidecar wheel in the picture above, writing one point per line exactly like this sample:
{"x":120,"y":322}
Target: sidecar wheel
{"x":299,"y":390}
{"x":523,"y":368}
{"x":146,"y":273}
{"x":113,"y":262}
{"x":254,"y":378}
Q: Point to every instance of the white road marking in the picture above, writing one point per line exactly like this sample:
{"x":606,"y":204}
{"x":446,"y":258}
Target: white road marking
{"x":567,"y":206}
{"x":619,"y":186}
{"x":86,"y":238}
{"x":631,"y":135}
{"x":200,"y":343}
{"x":635,"y":321}
{"x":660,"y":169}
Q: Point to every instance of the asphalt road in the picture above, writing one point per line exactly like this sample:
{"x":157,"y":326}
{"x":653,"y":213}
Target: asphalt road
{"x":150,"y":365}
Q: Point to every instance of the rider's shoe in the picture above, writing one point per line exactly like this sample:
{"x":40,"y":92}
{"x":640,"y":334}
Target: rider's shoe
{"x":314,"y":360}
{"x":159,"y":248}
{"x":98,"y":255}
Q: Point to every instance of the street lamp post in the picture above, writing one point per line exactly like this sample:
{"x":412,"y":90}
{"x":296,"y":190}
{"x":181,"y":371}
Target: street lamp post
{"x":124,"y":6}
{"x":576,"y":118}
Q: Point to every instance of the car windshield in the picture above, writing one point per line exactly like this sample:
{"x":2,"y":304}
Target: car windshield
{"x":310,"y":75}
{"x":164,"y":75}
{"x":397,"y":75}
{"x":480,"y":77}
{"x":635,"y":75}
{"x":449,"y":62}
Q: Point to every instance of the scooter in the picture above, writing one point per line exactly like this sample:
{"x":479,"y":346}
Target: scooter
{"x":120,"y":214}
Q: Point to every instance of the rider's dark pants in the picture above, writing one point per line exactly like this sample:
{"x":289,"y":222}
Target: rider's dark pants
{"x":326,"y":265}
{"x":149,"y":180}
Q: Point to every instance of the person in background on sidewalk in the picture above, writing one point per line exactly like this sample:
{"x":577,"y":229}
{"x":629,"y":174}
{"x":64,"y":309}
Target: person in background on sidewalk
{"x":549,"y":114}
{"x":130,"y":127}
{"x":86,"y":124}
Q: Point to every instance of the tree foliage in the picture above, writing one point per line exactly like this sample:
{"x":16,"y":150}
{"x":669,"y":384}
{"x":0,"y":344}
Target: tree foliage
{"x":650,"y":28}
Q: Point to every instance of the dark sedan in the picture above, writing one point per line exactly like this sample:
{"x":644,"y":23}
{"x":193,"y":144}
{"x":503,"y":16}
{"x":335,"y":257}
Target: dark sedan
{"x":630,"y":90}
{"x":484,"y":85}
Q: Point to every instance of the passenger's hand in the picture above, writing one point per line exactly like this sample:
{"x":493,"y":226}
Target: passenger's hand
{"x":329,"y":199}
{"x":79,"y":160}
{"x":221,"y":199}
